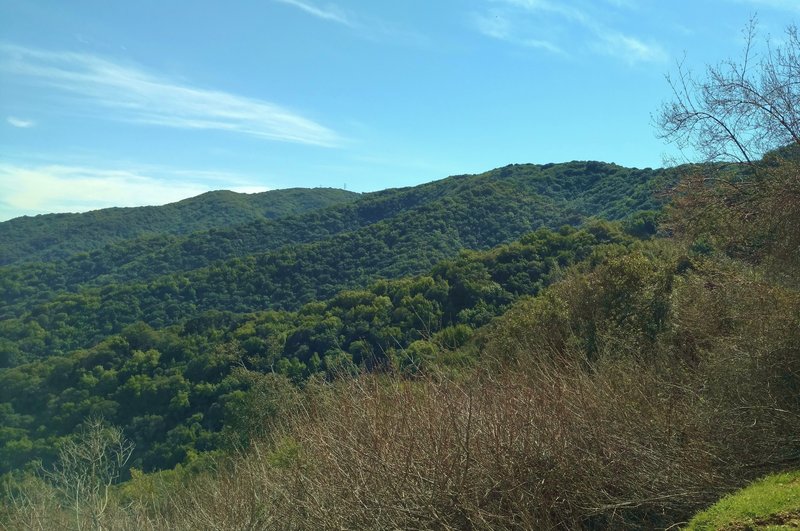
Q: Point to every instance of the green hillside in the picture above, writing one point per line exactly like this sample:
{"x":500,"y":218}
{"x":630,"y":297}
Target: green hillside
{"x":190,"y":308}
{"x":175,"y":389}
{"x":636,"y":376}
{"x":58,"y":236}
{"x":52,"y":308}
{"x":601,"y":377}
{"x":511,"y":200}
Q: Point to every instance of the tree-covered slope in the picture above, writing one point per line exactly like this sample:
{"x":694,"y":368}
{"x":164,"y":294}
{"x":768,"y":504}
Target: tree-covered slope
{"x":54,"y":236}
{"x":55,"y":307}
{"x":175,"y":389}
{"x":145,"y":331}
{"x":486,"y":209}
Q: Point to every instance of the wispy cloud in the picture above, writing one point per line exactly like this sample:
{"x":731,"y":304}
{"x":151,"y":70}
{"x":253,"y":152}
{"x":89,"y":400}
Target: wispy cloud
{"x":782,"y":5}
{"x":142,"y":97}
{"x":627,"y":4}
{"x":28,"y":189}
{"x":499,"y":26}
{"x":565,"y":9}
{"x":362,"y":24}
{"x":19,"y":122}
{"x":329,"y":12}
{"x":629,"y":49}
{"x":542,"y":45}
{"x":557,"y":23}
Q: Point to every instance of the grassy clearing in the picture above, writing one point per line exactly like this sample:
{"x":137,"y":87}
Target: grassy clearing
{"x":770,"y":503}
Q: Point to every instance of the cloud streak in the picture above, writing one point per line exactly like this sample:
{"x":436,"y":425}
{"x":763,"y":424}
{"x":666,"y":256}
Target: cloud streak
{"x":20,"y":123}
{"x":331,"y":12}
{"x":629,"y":49}
{"x":511,"y":20}
{"x":498,"y":25}
{"x":364,"y":26}
{"x":781,"y":5}
{"x":28,"y":189}
{"x":141,"y":97}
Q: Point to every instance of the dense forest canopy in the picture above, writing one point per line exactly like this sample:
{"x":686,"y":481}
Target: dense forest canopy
{"x":53,"y":236}
{"x":57,"y":306}
{"x":173,"y":389}
{"x":146,"y":332}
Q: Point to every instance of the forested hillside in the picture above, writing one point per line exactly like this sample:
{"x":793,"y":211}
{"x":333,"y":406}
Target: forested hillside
{"x":174,"y":389}
{"x":54,"y":236}
{"x":567,"y":346}
{"x":635,"y":377}
{"x":145,"y":332}
{"x":54,"y":307}
{"x":512,"y":200}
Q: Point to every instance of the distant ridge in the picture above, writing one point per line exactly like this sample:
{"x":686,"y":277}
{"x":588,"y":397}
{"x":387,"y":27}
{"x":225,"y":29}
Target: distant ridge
{"x":57,"y":236}
{"x":281,"y":264}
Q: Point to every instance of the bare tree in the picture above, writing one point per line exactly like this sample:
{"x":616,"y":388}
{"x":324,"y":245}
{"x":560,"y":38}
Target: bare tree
{"x":87,"y":467}
{"x":741,"y":109}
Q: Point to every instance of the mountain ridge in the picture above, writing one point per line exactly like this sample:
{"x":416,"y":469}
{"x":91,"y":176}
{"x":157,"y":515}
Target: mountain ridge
{"x":282,"y":264}
{"x":60,"y":235}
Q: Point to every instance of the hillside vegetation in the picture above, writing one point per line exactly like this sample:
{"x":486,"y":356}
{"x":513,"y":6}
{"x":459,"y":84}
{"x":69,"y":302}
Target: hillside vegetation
{"x":576,"y":379}
{"x":55,"y":307}
{"x":58,"y":236}
{"x":174,"y":389}
{"x":536,"y":347}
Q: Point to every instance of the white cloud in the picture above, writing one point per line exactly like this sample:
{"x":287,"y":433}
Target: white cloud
{"x":630,"y":49}
{"x":562,"y":8}
{"x":249,"y":189}
{"x":555,"y":22}
{"x":365,"y":26}
{"x":783,"y":5}
{"x":19,"y":122}
{"x":330,"y":12}
{"x":543,"y":45}
{"x":498,"y":26}
{"x":141,"y":97}
{"x":28,"y":189}
{"x":624,"y":4}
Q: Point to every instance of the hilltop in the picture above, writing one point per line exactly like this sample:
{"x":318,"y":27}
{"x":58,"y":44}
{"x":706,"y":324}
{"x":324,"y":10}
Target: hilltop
{"x":57,"y":236}
{"x":60,"y":305}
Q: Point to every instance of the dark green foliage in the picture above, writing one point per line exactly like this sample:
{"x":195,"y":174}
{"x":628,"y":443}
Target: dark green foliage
{"x":284,"y":264}
{"x":172,"y":390}
{"x":55,"y":236}
{"x":146,"y":332}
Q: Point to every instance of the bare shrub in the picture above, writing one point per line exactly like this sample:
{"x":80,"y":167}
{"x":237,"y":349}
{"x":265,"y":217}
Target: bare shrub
{"x":77,"y":492}
{"x":740,"y":109}
{"x":549,"y":445}
{"x":243,"y":493}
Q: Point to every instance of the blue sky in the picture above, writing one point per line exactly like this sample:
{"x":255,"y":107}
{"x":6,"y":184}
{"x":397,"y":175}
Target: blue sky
{"x":132,"y":103}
